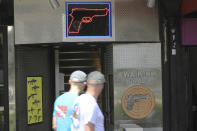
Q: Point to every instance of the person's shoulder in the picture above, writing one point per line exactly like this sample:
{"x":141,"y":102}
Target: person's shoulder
{"x":61,"y":96}
{"x":85,"y":96}
{"x":87,"y":99}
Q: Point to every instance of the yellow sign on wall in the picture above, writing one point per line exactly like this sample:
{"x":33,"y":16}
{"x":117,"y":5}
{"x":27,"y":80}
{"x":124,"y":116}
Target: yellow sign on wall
{"x":34,"y":100}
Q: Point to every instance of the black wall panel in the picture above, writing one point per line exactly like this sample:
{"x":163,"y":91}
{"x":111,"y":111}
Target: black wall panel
{"x":34,"y":61}
{"x":6,"y":12}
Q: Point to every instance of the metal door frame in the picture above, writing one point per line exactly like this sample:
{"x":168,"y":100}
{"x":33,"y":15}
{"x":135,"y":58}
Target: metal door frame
{"x":9,"y":77}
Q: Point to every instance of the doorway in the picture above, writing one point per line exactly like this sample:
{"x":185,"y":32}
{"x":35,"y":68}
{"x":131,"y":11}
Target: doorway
{"x":73,"y":58}
{"x":87,"y":58}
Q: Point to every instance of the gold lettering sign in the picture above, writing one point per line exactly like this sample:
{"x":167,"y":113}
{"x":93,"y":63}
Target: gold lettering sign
{"x":34,"y":100}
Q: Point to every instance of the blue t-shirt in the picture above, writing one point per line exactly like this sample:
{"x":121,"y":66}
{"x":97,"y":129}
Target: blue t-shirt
{"x":63,"y":111}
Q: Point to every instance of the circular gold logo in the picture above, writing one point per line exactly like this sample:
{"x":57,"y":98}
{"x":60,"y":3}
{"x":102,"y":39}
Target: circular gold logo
{"x":138,"y":102}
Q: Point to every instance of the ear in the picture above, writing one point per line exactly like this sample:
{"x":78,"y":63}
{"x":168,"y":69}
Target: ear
{"x":69,"y":81}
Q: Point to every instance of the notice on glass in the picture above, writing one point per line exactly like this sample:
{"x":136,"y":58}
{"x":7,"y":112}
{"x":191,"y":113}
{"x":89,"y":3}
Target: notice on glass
{"x":34,"y":100}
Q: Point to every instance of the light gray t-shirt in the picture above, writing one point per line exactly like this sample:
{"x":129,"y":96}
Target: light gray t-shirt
{"x":86,"y":109}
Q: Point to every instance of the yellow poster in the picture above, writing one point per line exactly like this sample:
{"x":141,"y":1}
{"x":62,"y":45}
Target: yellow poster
{"x":34,"y":100}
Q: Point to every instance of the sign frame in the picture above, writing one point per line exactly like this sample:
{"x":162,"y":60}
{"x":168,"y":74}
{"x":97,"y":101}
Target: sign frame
{"x":83,"y":39}
{"x":108,"y":12}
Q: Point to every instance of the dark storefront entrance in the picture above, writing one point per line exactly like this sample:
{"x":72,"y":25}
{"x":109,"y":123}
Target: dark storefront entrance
{"x":48,"y":62}
{"x":40,"y":61}
{"x":85,"y":57}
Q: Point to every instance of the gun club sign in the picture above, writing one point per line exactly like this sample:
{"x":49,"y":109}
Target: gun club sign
{"x":138,"y":102}
{"x":34,"y":100}
{"x":88,"y":19}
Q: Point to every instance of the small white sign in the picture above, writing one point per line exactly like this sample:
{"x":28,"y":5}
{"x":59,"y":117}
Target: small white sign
{"x":173,"y":51}
{"x":1,"y":108}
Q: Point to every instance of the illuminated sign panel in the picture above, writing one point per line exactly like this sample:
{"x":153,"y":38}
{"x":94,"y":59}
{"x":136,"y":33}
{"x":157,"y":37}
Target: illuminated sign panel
{"x":88,"y":19}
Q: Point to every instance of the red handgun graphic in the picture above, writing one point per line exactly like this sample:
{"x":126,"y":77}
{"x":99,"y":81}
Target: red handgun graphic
{"x":84,"y":15}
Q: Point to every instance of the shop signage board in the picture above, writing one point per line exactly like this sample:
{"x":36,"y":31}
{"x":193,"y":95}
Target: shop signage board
{"x":137,"y":86}
{"x":88,"y":19}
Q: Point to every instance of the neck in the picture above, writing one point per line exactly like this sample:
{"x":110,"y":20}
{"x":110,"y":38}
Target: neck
{"x":74,"y":89}
{"x":92,"y":93}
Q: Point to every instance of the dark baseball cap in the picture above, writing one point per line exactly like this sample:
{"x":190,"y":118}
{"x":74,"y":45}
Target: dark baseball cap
{"x":78,"y":76}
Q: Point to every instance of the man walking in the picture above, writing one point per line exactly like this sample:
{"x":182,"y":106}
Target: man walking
{"x":87,"y":115}
{"x":63,"y":104}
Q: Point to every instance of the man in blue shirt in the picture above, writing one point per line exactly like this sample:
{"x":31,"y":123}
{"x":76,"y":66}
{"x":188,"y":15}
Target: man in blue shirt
{"x":63,"y":104}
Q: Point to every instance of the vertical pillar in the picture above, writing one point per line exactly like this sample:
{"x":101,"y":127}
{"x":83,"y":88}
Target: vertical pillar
{"x":11,"y":79}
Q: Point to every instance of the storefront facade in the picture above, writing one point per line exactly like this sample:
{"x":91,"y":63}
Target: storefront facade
{"x":134,"y":43}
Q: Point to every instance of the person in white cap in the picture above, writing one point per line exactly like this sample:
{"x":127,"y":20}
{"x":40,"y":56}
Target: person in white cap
{"x":87,"y":115}
{"x":63,"y":104}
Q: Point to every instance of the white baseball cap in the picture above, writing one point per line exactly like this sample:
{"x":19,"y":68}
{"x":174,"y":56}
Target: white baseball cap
{"x":79,"y":75}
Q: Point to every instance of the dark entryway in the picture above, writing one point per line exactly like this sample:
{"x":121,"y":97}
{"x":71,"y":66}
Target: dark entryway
{"x":87,"y":57}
